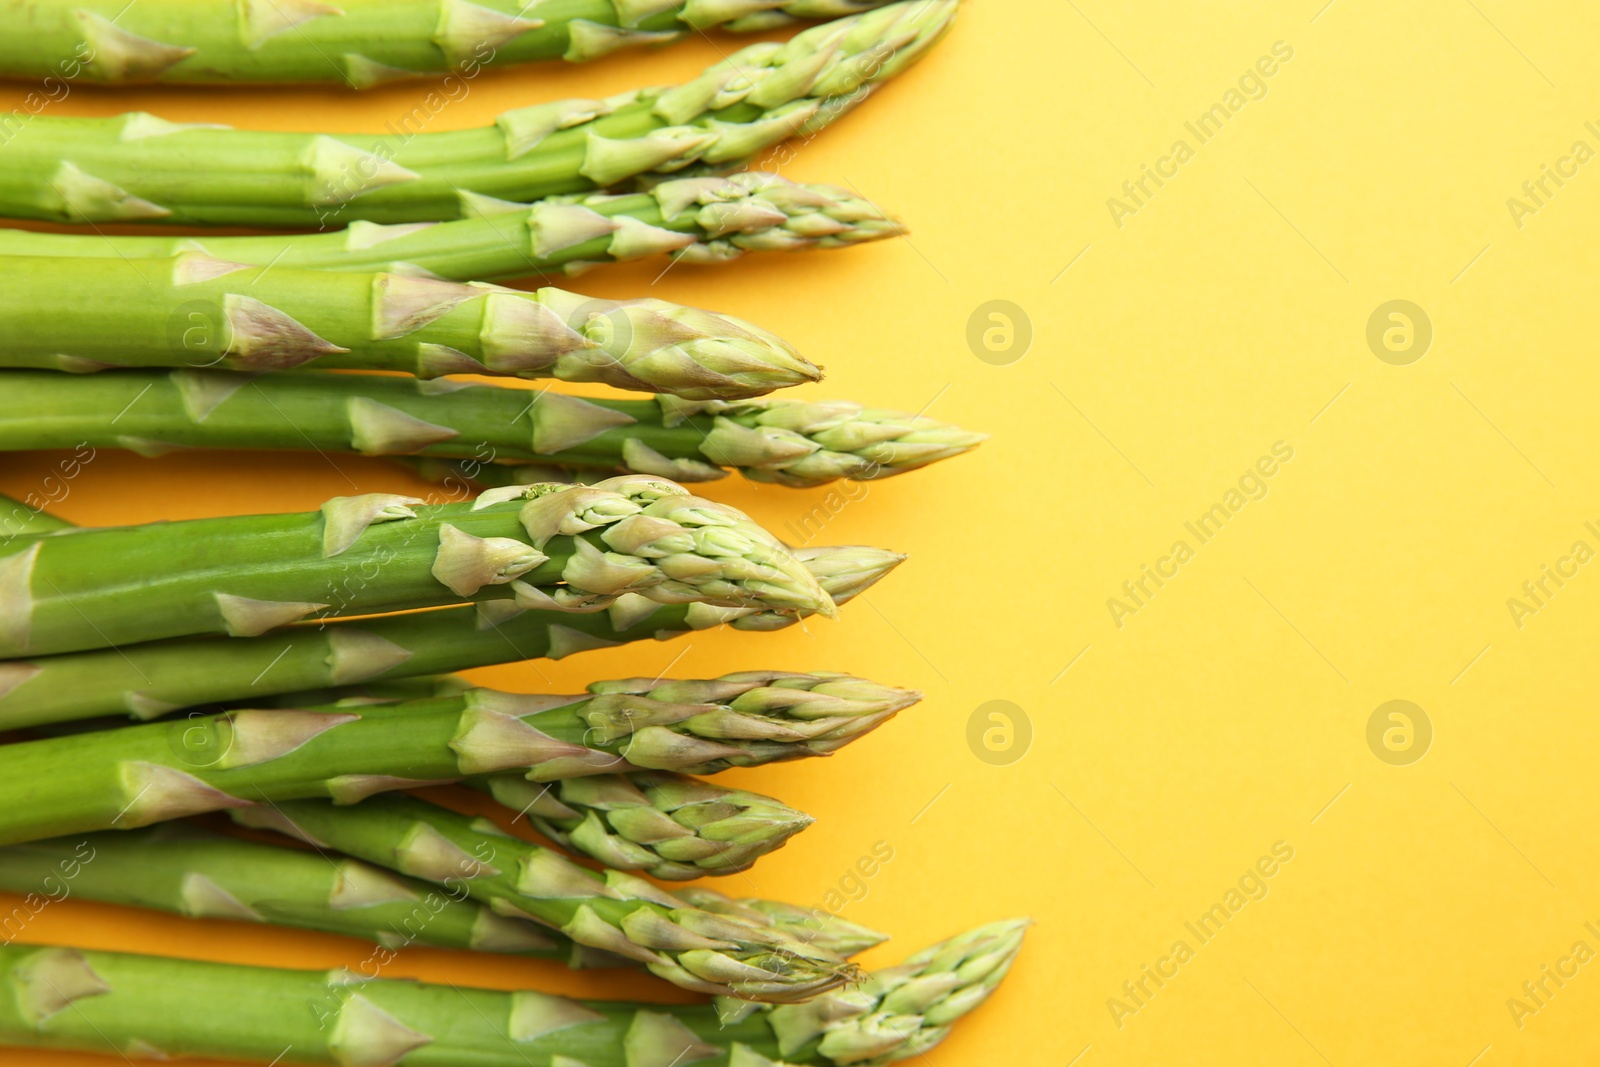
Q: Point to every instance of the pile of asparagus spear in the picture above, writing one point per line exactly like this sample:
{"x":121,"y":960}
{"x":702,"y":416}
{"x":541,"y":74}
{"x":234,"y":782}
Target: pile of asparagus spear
{"x":292,"y":677}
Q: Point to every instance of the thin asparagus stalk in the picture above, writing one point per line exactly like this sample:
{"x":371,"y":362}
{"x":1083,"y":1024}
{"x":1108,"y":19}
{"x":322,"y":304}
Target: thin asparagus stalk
{"x":18,"y":519}
{"x":195,"y":311}
{"x":152,"y":679}
{"x":697,"y":220}
{"x":553,"y":546}
{"x":206,"y":875}
{"x":138,"y":775}
{"x":667,"y":825}
{"x":150,"y":1005}
{"x":789,"y":442}
{"x":615,"y":912}
{"x":139,"y":168}
{"x":201,"y":874}
{"x":358,"y":44}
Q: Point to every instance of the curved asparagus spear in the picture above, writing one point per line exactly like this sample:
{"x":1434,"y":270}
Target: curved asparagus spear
{"x":116,"y":779}
{"x":206,"y":875}
{"x":139,"y":168}
{"x":357,"y":44}
{"x":552,"y":546}
{"x":697,"y":220}
{"x":195,"y":311}
{"x":158,"y":677}
{"x":790,"y":442}
{"x":618,"y":913}
{"x":145,"y":1005}
{"x":670,"y":826}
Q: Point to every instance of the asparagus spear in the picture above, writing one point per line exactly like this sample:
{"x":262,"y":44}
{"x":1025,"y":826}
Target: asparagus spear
{"x":195,"y":311}
{"x":670,"y":826}
{"x":698,"y":220}
{"x":615,"y":912}
{"x":139,"y":168}
{"x":790,"y":442}
{"x":152,"y":679}
{"x":206,"y":875}
{"x":554,"y":546}
{"x":145,"y":1005}
{"x":358,"y":44}
{"x":138,"y":775}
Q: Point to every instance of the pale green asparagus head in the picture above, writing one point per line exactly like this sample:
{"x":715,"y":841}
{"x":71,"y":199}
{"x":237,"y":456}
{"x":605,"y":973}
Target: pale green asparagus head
{"x":801,"y":444}
{"x":903,"y":1011}
{"x":660,"y":542}
{"x":814,"y":926}
{"x":667,"y":825}
{"x":845,"y":571}
{"x":657,"y":346}
{"x":755,"y":211}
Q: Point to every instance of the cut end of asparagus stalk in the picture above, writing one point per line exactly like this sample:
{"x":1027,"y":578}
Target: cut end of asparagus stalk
{"x":667,"y":825}
{"x":906,"y":1010}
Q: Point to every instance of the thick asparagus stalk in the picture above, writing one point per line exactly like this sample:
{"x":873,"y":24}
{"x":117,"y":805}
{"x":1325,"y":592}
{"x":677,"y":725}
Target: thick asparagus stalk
{"x":697,"y":220}
{"x":195,"y":311}
{"x":138,"y":775}
{"x":670,"y":826}
{"x":552,"y":546}
{"x":139,"y":168}
{"x":790,"y":442}
{"x":615,"y":912}
{"x":357,"y":44}
{"x":142,"y":1006}
{"x":205,"y":875}
{"x":158,"y":677}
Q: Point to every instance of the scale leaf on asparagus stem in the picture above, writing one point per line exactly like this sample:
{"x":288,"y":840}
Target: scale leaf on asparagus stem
{"x":197,"y":312}
{"x":202,"y":874}
{"x":83,"y":171}
{"x":157,"y":677}
{"x":789,"y":442}
{"x":358,"y":43}
{"x":554,"y":547}
{"x":700,"y":220}
{"x":138,"y":775}
{"x":145,"y":1005}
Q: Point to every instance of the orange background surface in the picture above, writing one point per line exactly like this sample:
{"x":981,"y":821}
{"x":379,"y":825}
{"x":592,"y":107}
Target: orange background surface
{"x":1166,"y":749}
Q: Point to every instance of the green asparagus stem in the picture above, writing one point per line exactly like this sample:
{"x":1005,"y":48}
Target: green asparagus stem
{"x":357,"y":44}
{"x":148,"y":1005}
{"x":197,"y":312}
{"x":789,"y":442}
{"x":18,"y":519}
{"x":670,"y":826}
{"x":615,"y":912}
{"x":697,"y":220}
{"x":152,"y":679}
{"x":138,"y":775}
{"x":552,"y":547}
{"x":139,"y":168}
{"x":205,"y":875}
